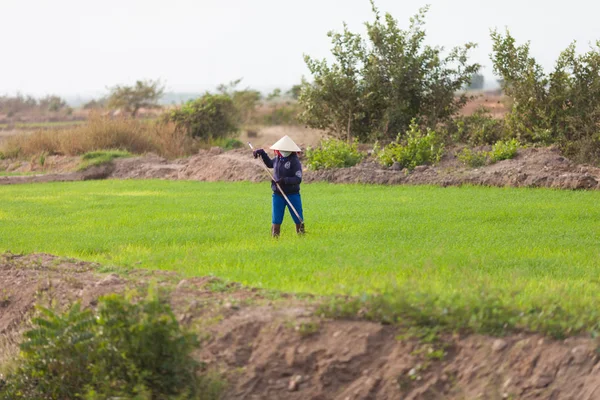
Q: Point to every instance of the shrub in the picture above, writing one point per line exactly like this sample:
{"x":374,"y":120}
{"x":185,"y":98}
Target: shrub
{"x":478,"y":128}
{"x":333,"y":153}
{"x":473,"y":158}
{"x":504,"y":150}
{"x":416,"y":149}
{"x":124,"y":349}
{"x":211,"y":116}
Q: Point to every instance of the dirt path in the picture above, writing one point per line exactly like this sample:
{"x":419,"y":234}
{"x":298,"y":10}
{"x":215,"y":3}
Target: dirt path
{"x":272,"y":346}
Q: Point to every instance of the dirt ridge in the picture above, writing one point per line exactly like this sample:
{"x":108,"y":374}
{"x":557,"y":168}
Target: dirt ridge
{"x":532,"y":167}
{"x":271,"y":348}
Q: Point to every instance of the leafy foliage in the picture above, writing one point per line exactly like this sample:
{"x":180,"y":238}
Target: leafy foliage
{"x":560,"y":107}
{"x":333,"y":153}
{"x":377,"y":85}
{"x":211,"y":116}
{"x":504,"y":150}
{"x":417,"y":148}
{"x":477,"y":129}
{"x":122,"y":350}
{"x":144,"y":94}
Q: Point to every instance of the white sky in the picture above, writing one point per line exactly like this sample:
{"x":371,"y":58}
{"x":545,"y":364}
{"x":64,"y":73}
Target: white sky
{"x":79,"y":47}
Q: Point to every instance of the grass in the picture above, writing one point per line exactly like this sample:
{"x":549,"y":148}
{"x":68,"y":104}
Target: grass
{"x":95,"y":158}
{"x":492,"y":257}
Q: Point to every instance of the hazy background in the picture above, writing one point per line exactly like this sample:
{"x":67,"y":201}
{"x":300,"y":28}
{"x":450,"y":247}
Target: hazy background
{"x":77,"y":48}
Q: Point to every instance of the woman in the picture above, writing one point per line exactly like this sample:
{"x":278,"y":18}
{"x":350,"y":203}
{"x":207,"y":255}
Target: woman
{"x":287,"y":176}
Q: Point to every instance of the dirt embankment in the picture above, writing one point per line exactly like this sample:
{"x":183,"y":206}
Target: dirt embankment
{"x":534,"y":167}
{"x":273,"y":347}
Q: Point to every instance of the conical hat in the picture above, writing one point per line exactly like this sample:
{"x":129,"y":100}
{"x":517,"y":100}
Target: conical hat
{"x":286,"y":144}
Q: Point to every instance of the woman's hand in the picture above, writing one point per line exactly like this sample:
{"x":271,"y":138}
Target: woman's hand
{"x":258,"y":152}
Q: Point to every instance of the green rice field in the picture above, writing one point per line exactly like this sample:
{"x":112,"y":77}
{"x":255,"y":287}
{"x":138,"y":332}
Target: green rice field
{"x":531,"y":246}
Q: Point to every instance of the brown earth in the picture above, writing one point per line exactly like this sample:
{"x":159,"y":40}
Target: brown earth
{"x":273,"y":346}
{"x":532,"y":167}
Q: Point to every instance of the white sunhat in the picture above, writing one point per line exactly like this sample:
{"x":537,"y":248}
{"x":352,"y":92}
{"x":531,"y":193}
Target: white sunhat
{"x":286,"y":144}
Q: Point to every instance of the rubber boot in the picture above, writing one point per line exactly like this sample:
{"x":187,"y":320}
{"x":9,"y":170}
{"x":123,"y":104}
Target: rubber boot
{"x":300,"y":229}
{"x":275,"y":230}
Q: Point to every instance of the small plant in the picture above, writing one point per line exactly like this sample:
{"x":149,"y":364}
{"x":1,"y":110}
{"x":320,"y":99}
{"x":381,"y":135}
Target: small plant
{"x":124,"y":349}
{"x":308,"y":328}
{"x":43,"y":156}
{"x":417,"y":149}
{"x":473,"y":158}
{"x":504,"y":150}
{"x":4,"y":298}
{"x":95,"y":158}
{"x":333,"y":153}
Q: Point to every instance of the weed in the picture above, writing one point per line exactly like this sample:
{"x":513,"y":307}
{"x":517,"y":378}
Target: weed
{"x":220,"y":286}
{"x":4,"y":298}
{"x":310,"y":328}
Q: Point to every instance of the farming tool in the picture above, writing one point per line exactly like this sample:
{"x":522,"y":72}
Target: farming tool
{"x":289,"y":203}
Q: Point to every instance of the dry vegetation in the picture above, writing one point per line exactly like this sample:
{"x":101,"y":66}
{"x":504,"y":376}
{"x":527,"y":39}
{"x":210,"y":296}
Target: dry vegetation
{"x":100,"y":133}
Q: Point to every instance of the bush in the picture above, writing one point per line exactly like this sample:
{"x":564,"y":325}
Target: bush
{"x":333,"y":153}
{"x":504,"y":150}
{"x":212,"y":116}
{"x":472,"y":158}
{"x":480,"y":128}
{"x":122,"y":350}
{"x":416,"y":149}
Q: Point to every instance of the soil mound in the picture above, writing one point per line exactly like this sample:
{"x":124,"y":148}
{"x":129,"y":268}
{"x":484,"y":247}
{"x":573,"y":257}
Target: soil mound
{"x":273,"y":348}
{"x":533,"y":167}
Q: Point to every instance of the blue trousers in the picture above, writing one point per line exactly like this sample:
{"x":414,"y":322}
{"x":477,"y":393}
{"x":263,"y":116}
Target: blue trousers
{"x":279,"y":205}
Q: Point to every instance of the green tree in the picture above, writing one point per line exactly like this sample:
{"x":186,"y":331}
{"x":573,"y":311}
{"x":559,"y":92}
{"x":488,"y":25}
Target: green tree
{"x":211,"y":116}
{"x":294,"y":91}
{"x":244,"y":101}
{"x":377,"y":85}
{"x":144,"y":94}
{"x":477,"y":81}
{"x":559,"y":107}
